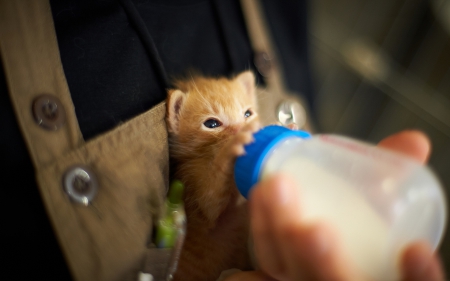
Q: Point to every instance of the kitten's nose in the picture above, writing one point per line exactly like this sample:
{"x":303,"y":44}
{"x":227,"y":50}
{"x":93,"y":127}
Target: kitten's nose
{"x":234,"y":129}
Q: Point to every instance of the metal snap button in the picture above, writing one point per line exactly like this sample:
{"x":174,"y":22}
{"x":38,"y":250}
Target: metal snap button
{"x":290,"y":111}
{"x":80,"y":184}
{"x":263,"y":63}
{"x":48,"y":112}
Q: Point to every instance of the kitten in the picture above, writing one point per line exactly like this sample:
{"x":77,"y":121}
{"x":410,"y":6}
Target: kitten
{"x":209,"y":122}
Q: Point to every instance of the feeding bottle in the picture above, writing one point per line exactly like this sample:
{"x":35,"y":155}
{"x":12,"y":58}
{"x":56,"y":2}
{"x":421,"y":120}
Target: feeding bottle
{"x":377,"y":200}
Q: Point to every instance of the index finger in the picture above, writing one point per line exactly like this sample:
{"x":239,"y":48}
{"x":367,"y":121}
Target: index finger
{"x":412,"y":143}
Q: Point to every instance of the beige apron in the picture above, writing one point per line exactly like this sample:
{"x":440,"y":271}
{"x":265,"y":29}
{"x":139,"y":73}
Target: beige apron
{"x":108,"y":239}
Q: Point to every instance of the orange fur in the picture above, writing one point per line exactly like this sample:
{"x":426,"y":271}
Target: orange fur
{"x":217,"y":220}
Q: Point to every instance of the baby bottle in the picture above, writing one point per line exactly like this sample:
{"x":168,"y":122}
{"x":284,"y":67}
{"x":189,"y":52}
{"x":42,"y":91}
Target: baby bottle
{"x":378,"y":200}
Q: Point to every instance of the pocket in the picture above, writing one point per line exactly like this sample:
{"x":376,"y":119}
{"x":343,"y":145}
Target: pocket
{"x":109,"y":238}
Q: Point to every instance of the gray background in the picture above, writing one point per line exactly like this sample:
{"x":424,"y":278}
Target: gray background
{"x":381,"y":66}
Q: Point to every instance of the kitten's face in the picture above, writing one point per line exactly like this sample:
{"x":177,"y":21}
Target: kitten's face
{"x":206,"y":111}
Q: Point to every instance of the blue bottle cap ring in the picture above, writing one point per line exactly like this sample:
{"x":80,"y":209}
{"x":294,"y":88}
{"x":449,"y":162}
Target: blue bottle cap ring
{"x":248,"y":166}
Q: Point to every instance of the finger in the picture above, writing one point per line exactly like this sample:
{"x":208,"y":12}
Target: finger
{"x":297,"y":251}
{"x":419,"y":263}
{"x":318,"y":250}
{"x":412,"y":143}
{"x":289,"y":234}
{"x":315,"y":248}
{"x":262,"y":226}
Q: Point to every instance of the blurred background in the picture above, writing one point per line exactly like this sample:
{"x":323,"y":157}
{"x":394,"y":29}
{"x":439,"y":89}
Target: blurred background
{"x":381,"y":66}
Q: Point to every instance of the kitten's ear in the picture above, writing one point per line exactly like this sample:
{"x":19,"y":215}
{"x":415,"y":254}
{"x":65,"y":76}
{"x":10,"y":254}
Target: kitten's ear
{"x":247,"y":79}
{"x":175,"y":102}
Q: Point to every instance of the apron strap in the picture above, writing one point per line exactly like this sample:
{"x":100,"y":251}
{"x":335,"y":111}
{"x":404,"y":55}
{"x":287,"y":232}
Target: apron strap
{"x":276,"y":101}
{"x":266,"y":54}
{"x":35,"y":78}
{"x":46,"y":115}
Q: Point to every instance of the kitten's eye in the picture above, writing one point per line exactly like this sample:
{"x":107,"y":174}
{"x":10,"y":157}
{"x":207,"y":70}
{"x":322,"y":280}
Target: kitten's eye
{"x":248,"y":113}
{"x":212,"y":123}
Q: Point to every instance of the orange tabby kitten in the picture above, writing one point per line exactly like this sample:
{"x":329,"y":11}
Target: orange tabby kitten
{"x":209,"y":122}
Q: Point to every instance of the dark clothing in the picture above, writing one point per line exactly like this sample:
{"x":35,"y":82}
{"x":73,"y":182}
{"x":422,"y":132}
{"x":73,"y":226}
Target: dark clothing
{"x":112,"y":77}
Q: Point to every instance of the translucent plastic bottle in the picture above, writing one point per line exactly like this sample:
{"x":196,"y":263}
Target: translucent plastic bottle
{"x":378,"y":200}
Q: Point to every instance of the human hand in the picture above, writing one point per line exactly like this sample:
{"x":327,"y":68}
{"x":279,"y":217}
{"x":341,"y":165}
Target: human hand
{"x":288,"y":249}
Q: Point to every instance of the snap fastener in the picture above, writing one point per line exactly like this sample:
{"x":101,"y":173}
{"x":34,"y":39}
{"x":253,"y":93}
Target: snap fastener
{"x":80,"y":184}
{"x":290,"y":111}
{"x":263,"y":63}
{"x":48,"y":112}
